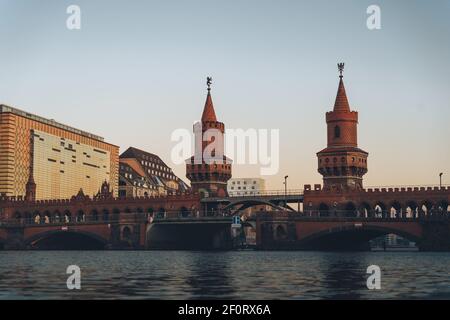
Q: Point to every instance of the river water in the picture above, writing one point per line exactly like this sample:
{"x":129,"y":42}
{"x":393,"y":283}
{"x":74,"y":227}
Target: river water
{"x":223,"y":275}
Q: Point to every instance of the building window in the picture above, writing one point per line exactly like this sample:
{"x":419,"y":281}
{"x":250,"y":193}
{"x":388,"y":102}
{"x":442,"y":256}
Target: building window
{"x":337,"y":132}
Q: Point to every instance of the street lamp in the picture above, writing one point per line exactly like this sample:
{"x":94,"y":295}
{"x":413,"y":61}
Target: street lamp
{"x":440,"y":179}
{"x":285,"y":187}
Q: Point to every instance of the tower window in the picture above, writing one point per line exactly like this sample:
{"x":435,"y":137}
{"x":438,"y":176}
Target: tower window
{"x":337,"y":132}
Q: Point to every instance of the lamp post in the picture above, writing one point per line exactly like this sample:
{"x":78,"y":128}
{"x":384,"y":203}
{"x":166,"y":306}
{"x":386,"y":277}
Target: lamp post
{"x":285,"y":188}
{"x":440,"y":179}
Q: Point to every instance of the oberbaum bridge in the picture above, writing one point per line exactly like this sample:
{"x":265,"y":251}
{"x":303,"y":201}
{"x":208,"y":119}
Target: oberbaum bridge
{"x":340,"y":215}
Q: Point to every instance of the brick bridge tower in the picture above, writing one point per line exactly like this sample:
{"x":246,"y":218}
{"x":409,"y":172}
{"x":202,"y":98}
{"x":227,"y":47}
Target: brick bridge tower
{"x":342,"y":164}
{"x":209,"y":171}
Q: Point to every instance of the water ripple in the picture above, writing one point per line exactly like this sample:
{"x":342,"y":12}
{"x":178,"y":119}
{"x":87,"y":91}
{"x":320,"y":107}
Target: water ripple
{"x":223,"y":275}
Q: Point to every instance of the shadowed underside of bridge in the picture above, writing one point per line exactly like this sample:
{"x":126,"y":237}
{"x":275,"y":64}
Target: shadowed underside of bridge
{"x":66,"y":240}
{"x":349,"y":239}
{"x":190,"y":236}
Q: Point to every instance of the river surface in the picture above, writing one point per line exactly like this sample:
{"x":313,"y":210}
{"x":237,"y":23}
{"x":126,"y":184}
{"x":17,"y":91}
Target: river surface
{"x":223,"y":275}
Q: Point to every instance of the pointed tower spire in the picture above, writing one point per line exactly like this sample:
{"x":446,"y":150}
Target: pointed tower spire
{"x":209,"y":169}
{"x":341,"y":103}
{"x":208,"y":111}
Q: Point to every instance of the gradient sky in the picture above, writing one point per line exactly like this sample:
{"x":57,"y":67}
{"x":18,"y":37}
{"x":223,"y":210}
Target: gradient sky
{"x":136,"y":71}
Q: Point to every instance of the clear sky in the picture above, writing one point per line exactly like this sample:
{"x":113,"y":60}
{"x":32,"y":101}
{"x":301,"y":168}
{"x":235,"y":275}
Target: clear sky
{"x":136,"y":71}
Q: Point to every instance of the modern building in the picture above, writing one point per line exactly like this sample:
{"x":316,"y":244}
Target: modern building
{"x":44,"y":159}
{"x":145,"y":174}
{"x":209,"y":174}
{"x":246,"y":186}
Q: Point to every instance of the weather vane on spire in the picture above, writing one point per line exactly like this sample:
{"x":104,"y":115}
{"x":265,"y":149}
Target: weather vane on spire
{"x":208,"y":82}
{"x":340,"y":68}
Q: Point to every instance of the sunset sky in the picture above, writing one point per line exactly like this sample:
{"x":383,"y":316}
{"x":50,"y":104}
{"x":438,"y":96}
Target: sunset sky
{"x":136,"y":71}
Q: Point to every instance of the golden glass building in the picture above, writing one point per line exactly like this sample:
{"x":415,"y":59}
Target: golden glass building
{"x":60,"y":158}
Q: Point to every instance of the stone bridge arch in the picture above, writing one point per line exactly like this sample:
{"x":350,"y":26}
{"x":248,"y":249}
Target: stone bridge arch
{"x":66,"y":240}
{"x":354,"y":237}
{"x":246,"y":203}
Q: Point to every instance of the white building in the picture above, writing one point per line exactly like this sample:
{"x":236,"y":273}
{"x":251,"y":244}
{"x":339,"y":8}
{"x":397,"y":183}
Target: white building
{"x":246,"y":186}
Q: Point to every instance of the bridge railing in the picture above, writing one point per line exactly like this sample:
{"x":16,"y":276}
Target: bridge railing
{"x":295,"y":192}
{"x":114,"y":218}
{"x":433,"y":214}
{"x":279,"y":192}
{"x":85,"y":219}
{"x":141,"y":217}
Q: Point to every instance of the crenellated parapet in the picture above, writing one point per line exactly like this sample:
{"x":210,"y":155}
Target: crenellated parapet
{"x":406,"y":200}
{"x":376,"y":190}
{"x":174,"y":204}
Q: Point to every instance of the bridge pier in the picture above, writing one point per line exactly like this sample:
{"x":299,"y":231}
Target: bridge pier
{"x":14,"y":239}
{"x":436,"y":236}
{"x":207,"y":233}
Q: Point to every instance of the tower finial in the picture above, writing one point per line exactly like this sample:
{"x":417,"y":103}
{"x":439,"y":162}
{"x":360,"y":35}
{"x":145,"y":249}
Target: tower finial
{"x":341,"y":68}
{"x":208,"y":83}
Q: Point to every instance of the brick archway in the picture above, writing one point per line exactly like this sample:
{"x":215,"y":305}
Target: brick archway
{"x":250,"y":203}
{"x":359,"y":235}
{"x":97,"y":240}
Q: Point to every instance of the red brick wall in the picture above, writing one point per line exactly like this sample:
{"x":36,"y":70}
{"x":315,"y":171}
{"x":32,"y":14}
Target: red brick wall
{"x":347,"y":123}
{"x":101,"y":230}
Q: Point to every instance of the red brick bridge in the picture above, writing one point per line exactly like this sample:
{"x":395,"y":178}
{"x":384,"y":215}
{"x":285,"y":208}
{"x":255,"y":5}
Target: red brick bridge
{"x":331,"y":219}
{"x":284,"y":230}
{"x":83,"y":222}
{"x":335,"y":218}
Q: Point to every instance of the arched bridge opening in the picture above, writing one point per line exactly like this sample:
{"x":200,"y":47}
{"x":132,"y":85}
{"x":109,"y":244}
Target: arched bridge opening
{"x":66,"y":240}
{"x":238,"y":207}
{"x":350,"y":238}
